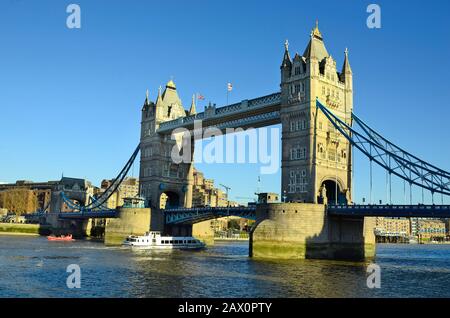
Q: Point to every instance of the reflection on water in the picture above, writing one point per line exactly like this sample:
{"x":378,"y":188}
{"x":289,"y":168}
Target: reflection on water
{"x":34,"y":267}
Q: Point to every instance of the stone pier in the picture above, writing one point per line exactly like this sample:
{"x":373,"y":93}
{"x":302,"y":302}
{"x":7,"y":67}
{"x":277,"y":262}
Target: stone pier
{"x":78,"y":228}
{"x":202,"y":231}
{"x":304,"y":231}
{"x":130,"y":221}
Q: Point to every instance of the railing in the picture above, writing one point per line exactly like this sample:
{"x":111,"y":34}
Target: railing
{"x":389,"y":210}
{"x":193,"y":215}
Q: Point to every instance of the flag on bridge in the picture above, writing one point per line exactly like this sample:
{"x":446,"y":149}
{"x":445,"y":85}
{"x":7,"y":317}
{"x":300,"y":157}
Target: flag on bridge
{"x":230,"y":87}
{"x":200,"y":96}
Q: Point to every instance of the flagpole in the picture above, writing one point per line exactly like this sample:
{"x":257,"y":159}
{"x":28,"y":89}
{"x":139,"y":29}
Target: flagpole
{"x":196,"y":100}
{"x":227,"y":94}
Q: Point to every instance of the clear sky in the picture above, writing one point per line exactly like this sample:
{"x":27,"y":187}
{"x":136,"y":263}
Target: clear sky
{"x":70,"y":99}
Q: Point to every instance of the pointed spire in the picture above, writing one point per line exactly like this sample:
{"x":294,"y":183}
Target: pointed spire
{"x":316,"y":32}
{"x":159,"y":98}
{"x":171,"y":84}
{"x":146,"y":103}
{"x":286,"y":58}
{"x":316,"y":47}
{"x":193,"y":111}
{"x":346,"y":67}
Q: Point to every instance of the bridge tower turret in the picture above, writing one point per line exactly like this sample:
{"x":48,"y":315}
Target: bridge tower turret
{"x":315,"y":158}
{"x":163,"y":183}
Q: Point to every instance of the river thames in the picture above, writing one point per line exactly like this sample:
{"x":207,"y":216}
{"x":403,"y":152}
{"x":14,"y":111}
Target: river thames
{"x":33,"y":267}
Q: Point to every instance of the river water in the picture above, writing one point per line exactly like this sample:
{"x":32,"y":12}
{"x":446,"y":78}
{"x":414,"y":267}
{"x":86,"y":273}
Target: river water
{"x":33,"y":267}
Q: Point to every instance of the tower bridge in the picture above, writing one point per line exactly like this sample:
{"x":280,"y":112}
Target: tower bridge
{"x":319,"y":133}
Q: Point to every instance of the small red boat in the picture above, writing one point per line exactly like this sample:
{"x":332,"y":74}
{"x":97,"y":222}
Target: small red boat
{"x":60,"y":238}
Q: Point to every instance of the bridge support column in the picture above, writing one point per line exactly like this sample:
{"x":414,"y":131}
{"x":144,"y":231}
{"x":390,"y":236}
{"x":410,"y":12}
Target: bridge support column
{"x":304,"y":231}
{"x":202,"y":231}
{"x":79,"y":228}
{"x":130,"y":221}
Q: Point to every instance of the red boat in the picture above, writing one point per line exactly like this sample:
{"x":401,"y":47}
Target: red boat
{"x":60,"y":238}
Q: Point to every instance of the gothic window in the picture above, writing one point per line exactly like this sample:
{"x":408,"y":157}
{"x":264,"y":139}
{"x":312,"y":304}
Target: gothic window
{"x":165,"y":171}
{"x":291,"y":188}
{"x":146,"y":129}
{"x":174,"y":171}
{"x":297,"y":70}
{"x":331,"y":154}
{"x":303,"y":153}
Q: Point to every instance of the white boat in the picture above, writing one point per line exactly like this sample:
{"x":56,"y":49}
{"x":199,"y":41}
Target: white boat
{"x":154,"y":240}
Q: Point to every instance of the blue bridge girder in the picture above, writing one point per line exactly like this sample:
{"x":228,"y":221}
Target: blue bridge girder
{"x":195,"y":215}
{"x":98,"y":214}
{"x":390,"y":210}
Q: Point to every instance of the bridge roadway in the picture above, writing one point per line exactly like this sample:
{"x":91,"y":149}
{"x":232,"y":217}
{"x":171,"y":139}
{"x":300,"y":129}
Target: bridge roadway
{"x":194,"y":215}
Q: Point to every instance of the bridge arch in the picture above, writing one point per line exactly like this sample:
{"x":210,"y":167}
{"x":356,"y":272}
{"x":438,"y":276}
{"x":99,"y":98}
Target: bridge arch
{"x":169,"y":199}
{"x":327,"y":187}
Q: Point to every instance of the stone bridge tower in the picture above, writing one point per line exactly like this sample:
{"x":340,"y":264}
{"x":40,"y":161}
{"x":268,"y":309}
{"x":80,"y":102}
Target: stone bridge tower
{"x":315,"y":157}
{"x":163,"y":183}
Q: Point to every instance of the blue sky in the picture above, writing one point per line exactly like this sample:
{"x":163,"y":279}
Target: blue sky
{"x":70,"y":100}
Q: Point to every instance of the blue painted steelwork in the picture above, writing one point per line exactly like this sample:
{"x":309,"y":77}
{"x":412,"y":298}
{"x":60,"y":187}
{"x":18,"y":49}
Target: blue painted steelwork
{"x":98,"y":203}
{"x":195,"y":215}
{"x":391,"y":157}
{"x":415,"y":211}
{"x":97,"y":214}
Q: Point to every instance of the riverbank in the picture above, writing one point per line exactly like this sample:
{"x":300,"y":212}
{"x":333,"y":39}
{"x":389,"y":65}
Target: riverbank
{"x":231,"y":239}
{"x":24,"y":229}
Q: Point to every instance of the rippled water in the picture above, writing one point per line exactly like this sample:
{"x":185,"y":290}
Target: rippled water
{"x":34,"y":267}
